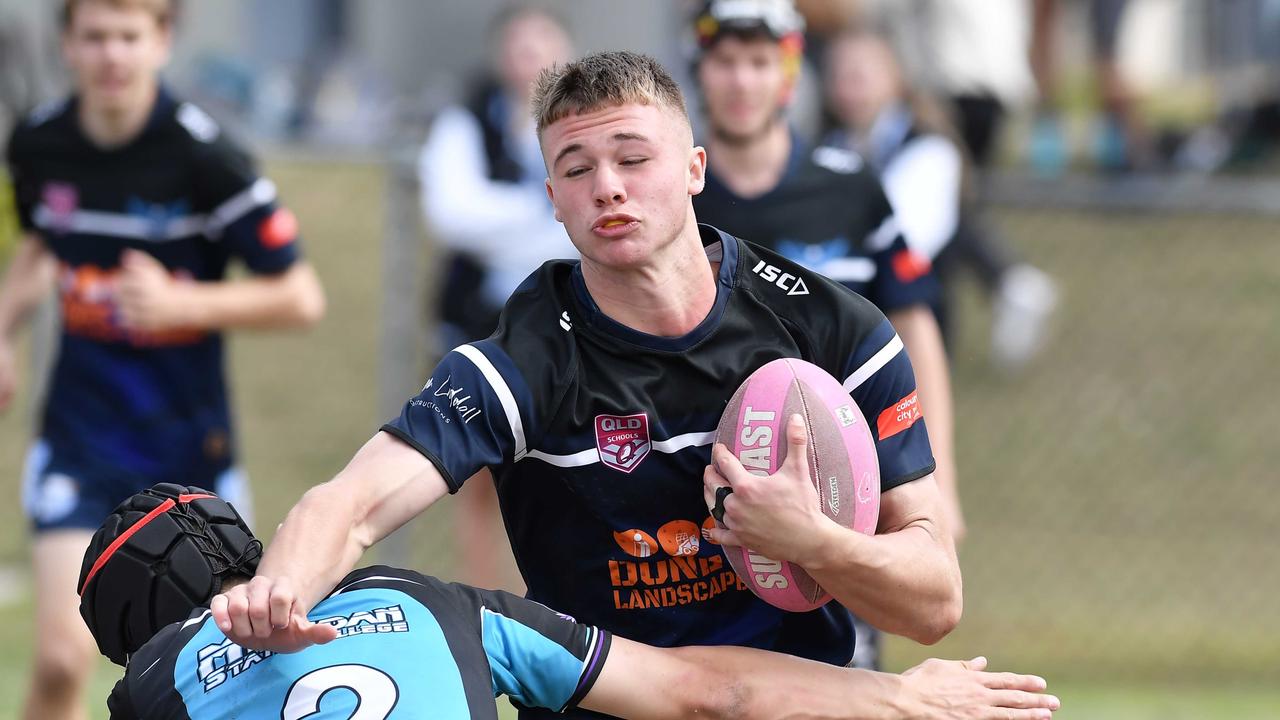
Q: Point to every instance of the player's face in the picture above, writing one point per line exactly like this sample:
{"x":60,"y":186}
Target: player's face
{"x":530,"y":43}
{"x":862,"y":79}
{"x":621,"y":179}
{"x":114,"y":54}
{"x":744,"y":86}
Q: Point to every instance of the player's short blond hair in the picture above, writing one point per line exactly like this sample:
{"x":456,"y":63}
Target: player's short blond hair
{"x":601,"y":80}
{"x":162,"y":10}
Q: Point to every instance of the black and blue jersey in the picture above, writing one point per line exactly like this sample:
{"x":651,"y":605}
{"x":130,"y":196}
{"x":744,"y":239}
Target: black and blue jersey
{"x":140,"y":407}
{"x":597,"y":436}
{"x":829,"y":213}
{"x":409,"y":646}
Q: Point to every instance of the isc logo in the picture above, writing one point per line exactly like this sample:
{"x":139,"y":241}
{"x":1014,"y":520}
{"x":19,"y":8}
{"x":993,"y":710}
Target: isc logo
{"x":785,"y":280}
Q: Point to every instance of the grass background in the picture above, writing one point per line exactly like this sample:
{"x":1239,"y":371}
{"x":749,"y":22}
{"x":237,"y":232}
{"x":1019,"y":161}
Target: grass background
{"x":1119,"y":491}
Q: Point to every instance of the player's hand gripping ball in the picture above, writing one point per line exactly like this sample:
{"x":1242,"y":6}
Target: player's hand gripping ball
{"x":841,"y":457}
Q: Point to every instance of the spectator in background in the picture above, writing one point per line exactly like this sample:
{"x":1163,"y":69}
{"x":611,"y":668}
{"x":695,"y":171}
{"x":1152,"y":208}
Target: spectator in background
{"x":22,"y":87}
{"x":1120,"y":139}
{"x":134,"y":203}
{"x":971,"y":54}
{"x":482,"y":179}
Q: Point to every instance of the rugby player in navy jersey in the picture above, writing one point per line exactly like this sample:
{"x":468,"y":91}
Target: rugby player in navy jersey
{"x":133,"y":204}
{"x":398,"y":644}
{"x":821,"y":207}
{"x":594,"y":405}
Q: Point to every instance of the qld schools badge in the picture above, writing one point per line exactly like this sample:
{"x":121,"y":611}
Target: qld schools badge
{"x":623,"y":440}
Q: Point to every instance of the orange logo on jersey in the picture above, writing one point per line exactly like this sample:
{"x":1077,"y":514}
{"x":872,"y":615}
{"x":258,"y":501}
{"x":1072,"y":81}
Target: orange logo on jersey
{"x":679,"y":537}
{"x":902,"y":415}
{"x":636,"y":543}
{"x":88,"y":299}
{"x":279,"y":229}
{"x":653,"y":581}
{"x":910,"y":266}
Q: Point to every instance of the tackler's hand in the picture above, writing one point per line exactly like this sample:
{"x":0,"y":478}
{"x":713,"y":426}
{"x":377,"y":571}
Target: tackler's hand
{"x":265,"y":614}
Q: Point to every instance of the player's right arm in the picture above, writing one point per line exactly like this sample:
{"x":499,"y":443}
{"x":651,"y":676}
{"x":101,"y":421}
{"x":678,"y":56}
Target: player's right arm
{"x":27,"y":281}
{"x":385,"y":485}
{"x":647,"y":683}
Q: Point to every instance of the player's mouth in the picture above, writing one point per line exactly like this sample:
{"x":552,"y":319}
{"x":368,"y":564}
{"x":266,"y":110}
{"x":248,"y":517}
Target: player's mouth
{"x":615,"y":225}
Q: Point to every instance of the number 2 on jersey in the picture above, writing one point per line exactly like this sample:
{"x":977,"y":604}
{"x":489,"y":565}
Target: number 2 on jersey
{"x":376,"y":693}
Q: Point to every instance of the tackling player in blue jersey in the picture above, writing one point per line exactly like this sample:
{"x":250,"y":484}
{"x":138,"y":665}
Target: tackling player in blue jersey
{"x":397,"y":644}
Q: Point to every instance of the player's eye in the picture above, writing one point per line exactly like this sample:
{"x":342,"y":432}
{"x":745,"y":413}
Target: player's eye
{"x":634,"y":160}
{"x":575,"y":172}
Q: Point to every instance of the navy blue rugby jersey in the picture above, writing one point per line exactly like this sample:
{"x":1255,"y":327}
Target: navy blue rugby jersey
{"x":597,"y":436}
{"x":148,"y":404}
{"x":830,"y":214}
{"x":409,"y":646}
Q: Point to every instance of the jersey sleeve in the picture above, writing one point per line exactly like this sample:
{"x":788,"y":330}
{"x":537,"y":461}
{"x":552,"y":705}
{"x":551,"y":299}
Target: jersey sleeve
{"x":879,"y":378}
{"x":475,"y":411}
{"x":119,"y":705}
{"x":242,"y":206}
{"x":904,"y":277}
{"x":25,"y":192}
{"x":538,"y":657}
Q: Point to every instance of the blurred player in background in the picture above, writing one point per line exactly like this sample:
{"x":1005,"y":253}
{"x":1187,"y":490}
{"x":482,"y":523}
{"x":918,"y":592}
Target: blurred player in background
{"x":822,"y":207}
{"x":481,"y":177}
{"x":973,"y":55}
{"x":594,"y":407}
{"x":133,"y":205}
{"x":909,"y":139}
{"x":400,"y":644}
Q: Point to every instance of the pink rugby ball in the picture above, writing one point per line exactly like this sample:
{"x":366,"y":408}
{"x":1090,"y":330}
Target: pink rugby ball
{"x":842,"y":464}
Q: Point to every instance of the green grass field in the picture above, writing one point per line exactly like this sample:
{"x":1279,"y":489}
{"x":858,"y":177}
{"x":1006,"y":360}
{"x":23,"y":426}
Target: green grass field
{"x":1120,"y":491}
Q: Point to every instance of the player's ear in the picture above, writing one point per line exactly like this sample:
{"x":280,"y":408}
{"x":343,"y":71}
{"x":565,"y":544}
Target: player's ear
{"x":697,"y":169}
{"x":551,"y":195}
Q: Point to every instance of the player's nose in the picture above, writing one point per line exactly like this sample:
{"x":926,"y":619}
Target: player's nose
{"x":609,"y":188}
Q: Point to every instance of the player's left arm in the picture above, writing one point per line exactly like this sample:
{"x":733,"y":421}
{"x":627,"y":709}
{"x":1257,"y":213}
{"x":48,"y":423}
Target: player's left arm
{"x":903,"y":580}
{"x":922,"y":338}
{"x":150,"y":298}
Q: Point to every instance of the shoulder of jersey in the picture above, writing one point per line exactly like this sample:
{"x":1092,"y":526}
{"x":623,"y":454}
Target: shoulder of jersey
{"x":197,"y":123}
{"x":41,"y":119}
{"x":837,"y":160}
{"x":542,"y":306}
{"x":769,"y":275}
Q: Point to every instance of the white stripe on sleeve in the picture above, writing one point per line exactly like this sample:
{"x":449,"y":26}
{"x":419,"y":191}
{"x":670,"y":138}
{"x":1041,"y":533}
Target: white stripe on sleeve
{"x":877,"y":361}
{"x":503,"y":392}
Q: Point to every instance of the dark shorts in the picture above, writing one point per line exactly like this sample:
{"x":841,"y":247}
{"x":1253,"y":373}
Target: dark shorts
{"x":59,"y":493}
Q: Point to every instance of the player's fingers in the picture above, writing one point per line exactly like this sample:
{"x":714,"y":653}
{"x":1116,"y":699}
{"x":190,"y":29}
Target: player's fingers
{"x":238,"y":611}
{"x":710,"y":481}
{"x":218,"y":606}
{"x":727,"y":465}
{"x":1024,"y":700}
{"x":1019,"y":714}
{"x":797,"y":446}
{"x":259,"y":610}
{"x":1013,"y":681}
{"x":280,"y":604}
{"x":316,"y":633}
{"x":721,"y":535}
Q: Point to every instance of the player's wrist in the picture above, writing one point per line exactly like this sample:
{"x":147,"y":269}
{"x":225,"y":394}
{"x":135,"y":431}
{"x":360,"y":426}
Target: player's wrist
{"x":827,"y":547}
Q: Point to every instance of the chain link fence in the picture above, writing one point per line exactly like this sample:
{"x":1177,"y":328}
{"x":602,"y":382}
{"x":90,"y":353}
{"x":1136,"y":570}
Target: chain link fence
{"x":1120,"y":491}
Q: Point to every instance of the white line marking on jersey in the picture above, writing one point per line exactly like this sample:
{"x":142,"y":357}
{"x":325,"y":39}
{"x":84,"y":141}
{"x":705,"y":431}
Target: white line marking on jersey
{"x":503,"y":392}
{"x":877,"y":361}
{"x":591,"y":456}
